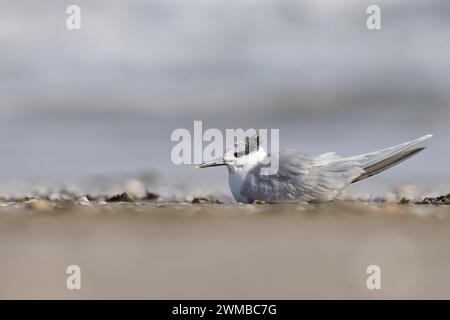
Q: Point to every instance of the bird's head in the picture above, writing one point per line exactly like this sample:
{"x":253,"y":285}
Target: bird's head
{"x":242,"y":156}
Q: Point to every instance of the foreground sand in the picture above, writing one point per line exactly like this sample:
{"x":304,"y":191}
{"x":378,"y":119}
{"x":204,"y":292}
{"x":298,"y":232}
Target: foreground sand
{"x":217,"y":251}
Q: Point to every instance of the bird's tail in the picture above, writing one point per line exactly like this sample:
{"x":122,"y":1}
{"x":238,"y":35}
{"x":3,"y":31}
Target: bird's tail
{"x":378,"y":161}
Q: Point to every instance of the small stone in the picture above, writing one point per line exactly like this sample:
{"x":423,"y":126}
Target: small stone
{"x":136,"y":188}
{"x":258,"y":202}
{"x":200,"y":200}
{"x":39,"y":204}
{"x":84,"y":201}
{"x":54,"y":196}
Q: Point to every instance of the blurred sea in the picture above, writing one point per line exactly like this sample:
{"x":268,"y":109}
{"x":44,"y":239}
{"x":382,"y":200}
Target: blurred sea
{"x":98,"y":105}
{"x":102,"y":155}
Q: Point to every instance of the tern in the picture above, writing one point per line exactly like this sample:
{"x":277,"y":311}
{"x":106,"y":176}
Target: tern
{"x":302,"y":178}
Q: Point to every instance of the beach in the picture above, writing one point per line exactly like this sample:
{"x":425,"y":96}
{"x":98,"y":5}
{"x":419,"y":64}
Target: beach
{"x":157,"y":250}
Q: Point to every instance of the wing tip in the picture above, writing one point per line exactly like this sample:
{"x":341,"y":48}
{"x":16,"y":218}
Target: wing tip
{"x":424,"y":138}
{"x":420,"y":140}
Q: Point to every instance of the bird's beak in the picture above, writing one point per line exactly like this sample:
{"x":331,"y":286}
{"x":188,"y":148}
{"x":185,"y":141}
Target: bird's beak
{"x":212,"y":163}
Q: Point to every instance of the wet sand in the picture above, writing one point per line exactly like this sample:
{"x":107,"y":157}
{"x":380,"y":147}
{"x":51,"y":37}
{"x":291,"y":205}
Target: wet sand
{"x":225,"y":251}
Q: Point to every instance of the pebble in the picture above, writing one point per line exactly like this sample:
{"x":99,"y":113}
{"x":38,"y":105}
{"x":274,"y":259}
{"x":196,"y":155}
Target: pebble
{"x":136,"y":188}
{"x":39,"y":204}
{"x":84,"y":201}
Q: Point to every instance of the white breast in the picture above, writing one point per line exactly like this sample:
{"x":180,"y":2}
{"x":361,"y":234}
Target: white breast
{"x":236,"y":180}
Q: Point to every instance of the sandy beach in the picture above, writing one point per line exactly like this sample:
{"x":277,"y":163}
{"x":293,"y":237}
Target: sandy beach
{"x":147,"y":250}
{"x":96,"y":96}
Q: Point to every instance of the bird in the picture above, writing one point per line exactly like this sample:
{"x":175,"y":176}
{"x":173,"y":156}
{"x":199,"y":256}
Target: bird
{"x":302,"y":178}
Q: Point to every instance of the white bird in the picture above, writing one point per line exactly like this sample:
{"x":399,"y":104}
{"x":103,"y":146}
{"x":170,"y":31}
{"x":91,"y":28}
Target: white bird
{"x":302,"y":178}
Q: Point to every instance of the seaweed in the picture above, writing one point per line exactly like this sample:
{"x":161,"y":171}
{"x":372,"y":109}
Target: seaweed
{"x":404,"y":200}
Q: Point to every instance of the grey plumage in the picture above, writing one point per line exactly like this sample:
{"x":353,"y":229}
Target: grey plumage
{"x":299,"y":177}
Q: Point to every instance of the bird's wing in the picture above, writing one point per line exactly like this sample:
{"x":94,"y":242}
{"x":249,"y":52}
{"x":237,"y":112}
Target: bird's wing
{"x":300,"y":177}
{"x":378,"y":161}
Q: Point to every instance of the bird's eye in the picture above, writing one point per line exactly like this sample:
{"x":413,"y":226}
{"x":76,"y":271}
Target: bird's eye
{"x":235,"y":154}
